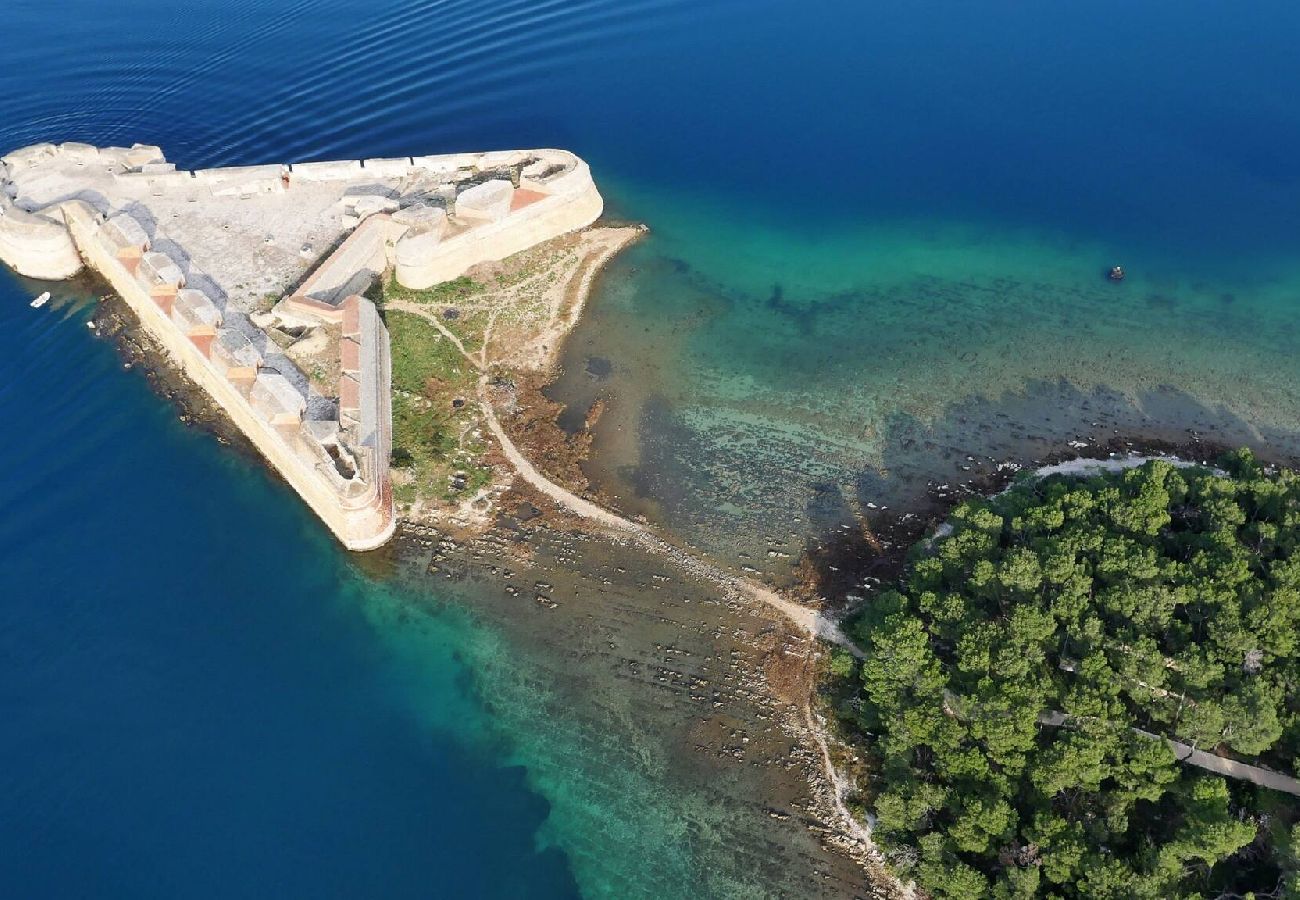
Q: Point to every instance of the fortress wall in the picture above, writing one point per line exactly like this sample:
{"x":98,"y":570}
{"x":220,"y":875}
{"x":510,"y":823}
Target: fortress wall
{"x":389,"y":168}
{"x":574,"y":203}
{"x":359,"y":527}
{"x":156,"y":182}
{"x":236,"y":180}
{"x":61,"y":239}
{"x":361,"y":257}
{"x":326,"y":171}
{"x":366,"y":386}
{"x":449,"y":163}
{"x":36,"y":246}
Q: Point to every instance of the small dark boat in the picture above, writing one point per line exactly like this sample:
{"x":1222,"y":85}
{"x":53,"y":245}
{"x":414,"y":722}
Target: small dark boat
{"x":1116,"y":273}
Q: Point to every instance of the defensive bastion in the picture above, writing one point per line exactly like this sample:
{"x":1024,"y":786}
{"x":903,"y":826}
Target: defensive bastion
{"x":229,"y":268}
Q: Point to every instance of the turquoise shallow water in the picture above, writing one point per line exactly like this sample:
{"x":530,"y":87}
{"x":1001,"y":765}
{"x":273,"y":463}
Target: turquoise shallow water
{"x":878,"y":239}
{"x":762,"y":371}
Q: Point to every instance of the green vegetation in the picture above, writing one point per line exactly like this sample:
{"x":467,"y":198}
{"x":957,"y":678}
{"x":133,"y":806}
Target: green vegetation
{"x":433,"y":437}
{"x":447,"y":293}
{"x":467,"y":323}
{"x":1159,"y":598}
{"x":423,"y":359}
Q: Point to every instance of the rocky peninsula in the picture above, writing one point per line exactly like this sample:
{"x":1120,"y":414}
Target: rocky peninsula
{"x":252,"y":279}
{"x":379,"y":331}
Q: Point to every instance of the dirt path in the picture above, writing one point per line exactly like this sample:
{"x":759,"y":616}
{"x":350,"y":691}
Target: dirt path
{"x":810,"y":623}
{"x":1185,"y":753}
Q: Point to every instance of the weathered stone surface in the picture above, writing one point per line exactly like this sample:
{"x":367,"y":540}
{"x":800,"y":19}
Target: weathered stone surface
{"x":28,"y":156}
{"x":234,"y":355}
{"x":370,"y":204}
{"x":349,"y":396}
{"x":498,"y":159}
{"x":422,"y":217}
{"x":243,"y":180}
{"x":141,"y":154}
{"x":124,"y":232}
{"x":415,"y":248}
{"x":352,"y":267}
{"x":194,"y":311}
{"x":159,"y":269}
{"x":321,"y":430}
{"x":276,"y":400}
{"x":326,"y":171}
{"x":388,"y":168}
{"x":352,"y":316}
{"x":79,"y":153}
{"x":489,"y":200}
{"x":349,"y":355}
{"x":449,"y":163}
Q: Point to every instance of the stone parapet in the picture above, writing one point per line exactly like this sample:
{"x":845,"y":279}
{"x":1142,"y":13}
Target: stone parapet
{"x":235,"y":358}
{"x":448,"y":163}
{"x":350,"y":269}
{"x":125,"y":236}
{"x":198,"y":318}
{"x":277,"y":401}
{"x":325,"y":171}
{"x":240,"y":180}
{"x":160,"y":270}
{"x":389,"y":168}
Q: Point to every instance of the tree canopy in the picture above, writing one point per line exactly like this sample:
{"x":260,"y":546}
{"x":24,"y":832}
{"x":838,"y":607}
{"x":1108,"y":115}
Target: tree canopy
{"x":1006,"y":673}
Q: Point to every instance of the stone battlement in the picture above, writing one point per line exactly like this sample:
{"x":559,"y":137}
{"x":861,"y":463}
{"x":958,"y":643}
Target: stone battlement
{"x":197,"y":253}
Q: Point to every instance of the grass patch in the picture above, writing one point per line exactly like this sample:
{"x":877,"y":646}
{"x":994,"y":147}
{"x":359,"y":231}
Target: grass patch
{"x":423,"y":359}
{"x":434,"y":446}
{"x":451,"y":292}
{"x":433,"y":441}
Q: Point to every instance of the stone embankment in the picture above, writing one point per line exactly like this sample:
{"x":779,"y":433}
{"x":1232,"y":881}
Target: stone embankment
{"x":197,"y":255}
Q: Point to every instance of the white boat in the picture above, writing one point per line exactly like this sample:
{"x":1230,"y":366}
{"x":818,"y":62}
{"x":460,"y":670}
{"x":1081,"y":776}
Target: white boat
{"x":41,"y":300}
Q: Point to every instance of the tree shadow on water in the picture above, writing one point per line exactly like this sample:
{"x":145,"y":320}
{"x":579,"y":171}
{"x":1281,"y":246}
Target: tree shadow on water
{"x":976,"y":445}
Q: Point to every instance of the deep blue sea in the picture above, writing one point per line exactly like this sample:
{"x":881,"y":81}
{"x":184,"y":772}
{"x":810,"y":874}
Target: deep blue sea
{"x":878,"y":233}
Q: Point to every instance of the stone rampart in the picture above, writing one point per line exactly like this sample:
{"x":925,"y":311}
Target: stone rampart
{"x":37,"y":246}
{"x":354,"y":264}
{"x":571,"y":202}
{"x":360,"y":526}
{"x":325,"y":171}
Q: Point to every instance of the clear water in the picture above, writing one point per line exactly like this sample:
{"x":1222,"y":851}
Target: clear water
{"x":878,"y":238}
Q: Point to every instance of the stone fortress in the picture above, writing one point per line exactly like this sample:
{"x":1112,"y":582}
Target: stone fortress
{"x":231,"y":268}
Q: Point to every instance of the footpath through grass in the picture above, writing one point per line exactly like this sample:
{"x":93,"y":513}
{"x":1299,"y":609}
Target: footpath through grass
{"x":436,"y":447}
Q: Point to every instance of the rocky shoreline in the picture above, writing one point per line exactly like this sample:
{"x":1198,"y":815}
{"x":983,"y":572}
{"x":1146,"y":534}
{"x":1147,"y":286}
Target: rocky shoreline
{"x":116,"y":322}
{"x":723,"y":684}
{"x":843,"y":566}
{"x":773,"y":670}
